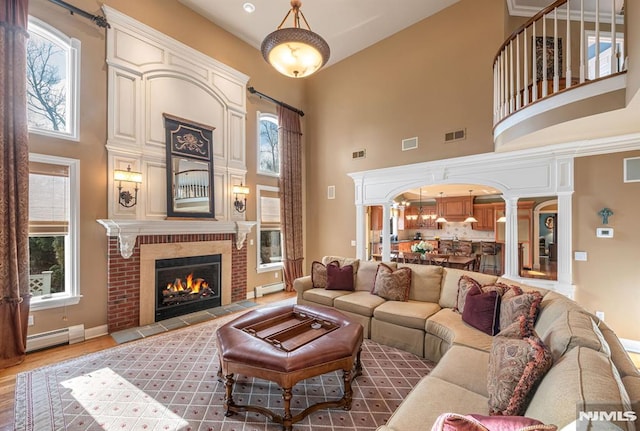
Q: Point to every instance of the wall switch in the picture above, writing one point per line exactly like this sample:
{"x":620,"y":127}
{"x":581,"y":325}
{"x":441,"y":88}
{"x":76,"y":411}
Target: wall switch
{"x":600,"y":315}
{"x":30,"y":319}
{"x":580,"y":255}
{"x":275,"y":274}
{"x":250,"y":242}
{"x":353,"y":243}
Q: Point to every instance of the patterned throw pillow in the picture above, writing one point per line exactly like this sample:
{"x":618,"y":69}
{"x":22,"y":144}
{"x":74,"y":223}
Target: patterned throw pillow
{"x":465,"y":284}
{"x":482,"y":310}
{"x":339,"y":278}
{"x":519,"y":304}
{"x":392,"y":285}
{"x":474,"y":422}
{"x":516,"y":366}
{"x":319,"y":274}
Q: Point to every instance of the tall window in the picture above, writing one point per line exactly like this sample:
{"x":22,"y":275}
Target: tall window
{"x":53,"y":225}
{"x":52,"y":81}
{"x":268,"y":145}
{"x":270,"y":251}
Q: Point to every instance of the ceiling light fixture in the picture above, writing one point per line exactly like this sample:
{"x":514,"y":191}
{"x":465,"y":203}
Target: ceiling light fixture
{"x":441,"y":218}
{"x":294,"y":51}
{"x":471,"y":218}
{"x":249,"y":7}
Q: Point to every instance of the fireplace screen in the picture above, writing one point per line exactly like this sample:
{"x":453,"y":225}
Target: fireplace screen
{"x":187,"y":284}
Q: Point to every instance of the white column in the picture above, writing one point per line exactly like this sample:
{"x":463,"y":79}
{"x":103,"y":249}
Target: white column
{"x":563,"y":224}
{"x":386,"y":232}
{"x":361,"y":232}
{"x":510,"y":248}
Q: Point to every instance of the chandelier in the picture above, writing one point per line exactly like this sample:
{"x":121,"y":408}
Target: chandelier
{"x":294,"y":51}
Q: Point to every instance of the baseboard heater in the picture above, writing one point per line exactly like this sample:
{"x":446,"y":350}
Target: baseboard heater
{"x":71,"y":335}
{"x":266,"y":289}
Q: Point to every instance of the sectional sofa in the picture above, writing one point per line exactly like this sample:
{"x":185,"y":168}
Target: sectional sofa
{"x":590,"y":370}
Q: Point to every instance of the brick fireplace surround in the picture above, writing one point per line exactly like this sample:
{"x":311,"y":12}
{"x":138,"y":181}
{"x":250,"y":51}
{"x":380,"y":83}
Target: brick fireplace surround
{"x":123,"y":276}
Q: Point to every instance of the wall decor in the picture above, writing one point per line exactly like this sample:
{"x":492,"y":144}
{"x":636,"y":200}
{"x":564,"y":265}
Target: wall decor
{"x":189,"y":168}
{"x":548,"y":46}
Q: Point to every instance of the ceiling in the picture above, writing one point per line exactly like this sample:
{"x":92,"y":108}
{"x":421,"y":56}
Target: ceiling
{"x":348,"y":26}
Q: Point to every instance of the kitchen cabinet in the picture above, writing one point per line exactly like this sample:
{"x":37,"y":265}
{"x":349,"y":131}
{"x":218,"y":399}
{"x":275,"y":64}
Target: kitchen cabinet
{"x":486,"y":216}
{"x":375,"y":217}
{"x":455,"y":208}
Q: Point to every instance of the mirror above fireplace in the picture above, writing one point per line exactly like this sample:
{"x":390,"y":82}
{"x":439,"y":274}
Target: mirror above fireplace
{"x":189,"y":168}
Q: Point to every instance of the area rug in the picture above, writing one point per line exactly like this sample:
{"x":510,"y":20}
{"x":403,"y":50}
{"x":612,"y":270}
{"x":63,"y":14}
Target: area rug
{"x":169,"y":382}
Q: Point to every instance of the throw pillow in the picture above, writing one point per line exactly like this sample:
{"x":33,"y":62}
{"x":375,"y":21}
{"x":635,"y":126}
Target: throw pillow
{"x":516,"y":366}
{"x":465,"y":284}
{"x":474,"y":422}
{"x":339,"y":278}
{"x":482,"y":310}
{"x":319,"y":274}
{"x":392,"y":285}
{"x":523,"y":304}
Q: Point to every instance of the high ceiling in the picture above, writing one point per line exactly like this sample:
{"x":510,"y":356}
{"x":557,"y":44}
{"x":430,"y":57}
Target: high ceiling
{"x":348,"y":26}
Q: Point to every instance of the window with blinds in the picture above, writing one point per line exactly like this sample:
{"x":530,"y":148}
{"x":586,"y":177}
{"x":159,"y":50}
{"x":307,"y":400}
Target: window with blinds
{"x":270,"y":252}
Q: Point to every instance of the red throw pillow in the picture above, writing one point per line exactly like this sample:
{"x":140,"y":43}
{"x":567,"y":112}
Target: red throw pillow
{"x":482,"y":310}
{"x":339,"y":278}
{"x":319,"y":274}
{"x":473,"y":422}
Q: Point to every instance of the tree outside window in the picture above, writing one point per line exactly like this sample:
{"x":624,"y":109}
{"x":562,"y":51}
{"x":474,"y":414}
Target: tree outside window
{"x":268,"y":145}
{"x":52,"y":62}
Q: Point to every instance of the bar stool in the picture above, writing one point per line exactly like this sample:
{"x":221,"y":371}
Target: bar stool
{"x":489,"y":259}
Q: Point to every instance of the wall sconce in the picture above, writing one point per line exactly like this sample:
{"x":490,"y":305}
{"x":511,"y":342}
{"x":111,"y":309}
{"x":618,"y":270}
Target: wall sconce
{"x":125,"y":198}
{"x":605,"y":213}
{"x":240,"y":204}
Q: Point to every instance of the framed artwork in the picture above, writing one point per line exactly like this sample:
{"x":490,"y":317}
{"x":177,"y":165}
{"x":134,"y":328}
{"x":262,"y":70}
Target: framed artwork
{"x":548,"y":46}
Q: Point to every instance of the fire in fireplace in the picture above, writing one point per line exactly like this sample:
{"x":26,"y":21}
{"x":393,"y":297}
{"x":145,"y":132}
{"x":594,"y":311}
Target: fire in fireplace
{"x":187,"y":284}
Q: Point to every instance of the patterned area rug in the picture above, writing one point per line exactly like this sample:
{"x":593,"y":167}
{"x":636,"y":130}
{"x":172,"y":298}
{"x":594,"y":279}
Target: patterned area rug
{"x":169,"y":382}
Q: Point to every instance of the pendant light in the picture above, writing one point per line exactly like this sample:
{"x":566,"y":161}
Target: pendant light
{"x":440,"y":218}
{"x":471,"y":218}
{"x":294,"y":51}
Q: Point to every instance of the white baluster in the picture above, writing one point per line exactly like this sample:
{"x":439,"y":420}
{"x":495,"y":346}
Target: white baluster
{"x":518,"y":93}
{"x":544,"y":56}
{"x":614,"y":45}
{"x":511,"y":86}
{"x":582,"y":43}
{"x":534,"y":68}
{"x":556,"y":54}
{"x":567,"y":83}
{"x":597,"y":51}
{"x":526,"y":68}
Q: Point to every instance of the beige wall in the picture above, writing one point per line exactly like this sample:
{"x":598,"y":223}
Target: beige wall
{"x":432,"y":78}
{"x":609,"y":280}
{"x":169,"y":17}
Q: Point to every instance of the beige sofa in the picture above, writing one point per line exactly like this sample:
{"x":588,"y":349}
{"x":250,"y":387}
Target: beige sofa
{"x":590,"y":367}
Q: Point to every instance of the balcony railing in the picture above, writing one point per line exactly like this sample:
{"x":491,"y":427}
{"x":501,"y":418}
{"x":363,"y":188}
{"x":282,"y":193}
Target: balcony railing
{"x":569,"y":43}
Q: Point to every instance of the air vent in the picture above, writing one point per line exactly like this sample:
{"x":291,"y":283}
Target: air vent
{"x":456,"y":135}
{"x":409,"y":144}
{"x":360,"y":154}
{"x":632,"y":170}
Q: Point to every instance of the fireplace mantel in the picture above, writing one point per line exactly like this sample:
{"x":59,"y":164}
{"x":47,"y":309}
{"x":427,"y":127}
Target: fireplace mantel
{"x":127,"y":230}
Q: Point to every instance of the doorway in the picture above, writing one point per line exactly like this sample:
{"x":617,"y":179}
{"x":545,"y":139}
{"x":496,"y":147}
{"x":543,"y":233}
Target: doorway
{"x":546,"y":231}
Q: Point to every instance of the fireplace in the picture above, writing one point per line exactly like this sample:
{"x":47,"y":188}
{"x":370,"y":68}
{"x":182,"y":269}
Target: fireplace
{"x":187,"y":284}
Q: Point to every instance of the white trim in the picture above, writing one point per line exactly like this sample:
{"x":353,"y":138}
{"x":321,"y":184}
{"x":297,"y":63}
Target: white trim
{"x":270,"y":267}
{"x":72,"y":293}
{"x":630,"y":345}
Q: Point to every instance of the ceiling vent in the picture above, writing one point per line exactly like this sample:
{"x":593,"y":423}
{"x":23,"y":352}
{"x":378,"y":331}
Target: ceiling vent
{"x":456,"y":135}
{"x":409,"y":144}
{"x":632,"y":170}
{"x":360,"y":154}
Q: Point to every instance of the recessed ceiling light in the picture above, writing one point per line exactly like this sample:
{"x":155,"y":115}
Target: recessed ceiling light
{"x":249,"y":7}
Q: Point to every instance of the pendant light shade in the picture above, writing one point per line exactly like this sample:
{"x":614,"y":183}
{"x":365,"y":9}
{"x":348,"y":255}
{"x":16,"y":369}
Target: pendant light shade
{"x":471,"y":218}
{"x":441,"y":218}
{"x":294,"y":51}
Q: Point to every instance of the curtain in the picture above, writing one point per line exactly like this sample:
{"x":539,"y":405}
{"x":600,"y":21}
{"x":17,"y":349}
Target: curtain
{"x":14,"y":183}
{"x":290,"y":138}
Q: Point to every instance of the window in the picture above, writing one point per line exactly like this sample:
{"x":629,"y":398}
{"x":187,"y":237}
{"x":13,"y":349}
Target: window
{"x":270,"y":252}
{"x":610,"y":60}
{"x":53,"y":231}
{"x":52,"y":81}
{"x":268,"y":145}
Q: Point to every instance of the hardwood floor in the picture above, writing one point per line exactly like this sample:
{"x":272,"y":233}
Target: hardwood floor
{"x":61,"y":353}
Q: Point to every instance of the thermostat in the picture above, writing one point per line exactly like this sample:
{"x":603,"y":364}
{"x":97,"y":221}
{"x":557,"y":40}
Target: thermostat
{"x":604,"y":232}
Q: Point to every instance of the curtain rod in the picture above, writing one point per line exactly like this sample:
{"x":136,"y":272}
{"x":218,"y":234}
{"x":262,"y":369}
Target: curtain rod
{"x":100,"y":21}
{"x":277,"y":102}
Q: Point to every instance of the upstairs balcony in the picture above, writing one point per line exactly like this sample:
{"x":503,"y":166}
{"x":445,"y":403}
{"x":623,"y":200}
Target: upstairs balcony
{"x":565,"y":64}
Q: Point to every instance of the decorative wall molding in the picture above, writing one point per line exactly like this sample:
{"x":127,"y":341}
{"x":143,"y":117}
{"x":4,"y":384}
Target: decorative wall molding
{"x":150,"y":74}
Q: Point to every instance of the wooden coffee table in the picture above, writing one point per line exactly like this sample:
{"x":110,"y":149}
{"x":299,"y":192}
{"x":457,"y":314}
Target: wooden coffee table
{"x":285,"y":345}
